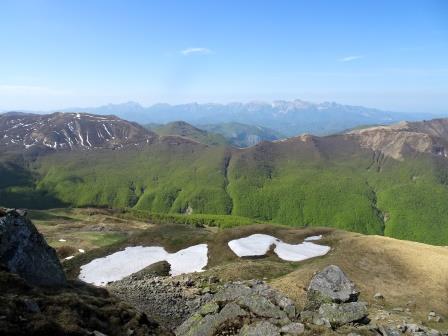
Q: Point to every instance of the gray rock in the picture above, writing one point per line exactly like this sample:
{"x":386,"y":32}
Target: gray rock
{"x":330,"y":285}
{"x":261,"y":306}
{"x":208,"y":325}
{"x":378,"y":296}
{"x":209,"y":308}
{"x":24,"y":251}
{"x":433,"y":317}
{"x":389,"y":331}
{"x":340,"y":314}
{"x":161,"y":268}
{"x":293,"y":329}
{"x":262,"y":328}
{"x":232,"y":292}
{"x":249,"y":308}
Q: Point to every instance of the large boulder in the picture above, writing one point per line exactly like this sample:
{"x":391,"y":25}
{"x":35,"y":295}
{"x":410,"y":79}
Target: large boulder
{"x":331,"y":285}
{"x":24,"y":251}
{"x":332,"y":300}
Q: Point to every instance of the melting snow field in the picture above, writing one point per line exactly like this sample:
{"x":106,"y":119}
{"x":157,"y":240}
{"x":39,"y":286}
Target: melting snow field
{"x":258,"y":244}
{"x":133,"y":259}
{"x":310,"y":238}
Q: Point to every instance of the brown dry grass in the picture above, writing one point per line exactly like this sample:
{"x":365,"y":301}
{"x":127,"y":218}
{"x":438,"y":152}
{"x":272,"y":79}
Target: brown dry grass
{"x":402,"y":271}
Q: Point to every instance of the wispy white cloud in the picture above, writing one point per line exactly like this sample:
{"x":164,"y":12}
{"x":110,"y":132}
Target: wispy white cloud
{"x":196,"y":51}
{"x":350,"y":58}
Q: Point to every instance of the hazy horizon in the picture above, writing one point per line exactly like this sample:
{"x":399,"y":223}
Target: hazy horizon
{"x":224,"y":103}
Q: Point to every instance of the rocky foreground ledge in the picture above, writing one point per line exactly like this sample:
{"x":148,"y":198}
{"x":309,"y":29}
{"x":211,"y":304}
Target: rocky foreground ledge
{"x":36,"y":298}
{"x":24,"y":251}
{"x":191,"y":305}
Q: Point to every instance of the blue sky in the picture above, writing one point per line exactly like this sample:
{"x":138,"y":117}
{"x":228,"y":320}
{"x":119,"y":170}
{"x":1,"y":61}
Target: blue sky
{"x":386,"y":54}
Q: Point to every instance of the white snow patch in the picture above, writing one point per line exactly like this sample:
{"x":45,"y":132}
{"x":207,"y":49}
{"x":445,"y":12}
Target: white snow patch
{"x":81,"y":250}
{"x":310,"y":238}
{"x":133,"y":259}
{"x":258,"y":244}
{"x":62,"y":240}
{"x":68,"y":258}
{"x":254,"y":245}
{"x":299,"y":252}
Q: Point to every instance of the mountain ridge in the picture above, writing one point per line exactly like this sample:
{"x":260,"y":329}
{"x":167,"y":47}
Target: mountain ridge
{"x":69,"y":131}
{"x":287,"y":117}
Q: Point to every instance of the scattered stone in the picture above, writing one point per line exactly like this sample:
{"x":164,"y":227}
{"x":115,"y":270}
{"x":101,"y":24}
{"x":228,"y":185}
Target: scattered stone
{"x":24,"y":251}
{"x":97,"y":333}
{"x":433,"y":317}
{"x":378,"y":297}
{"x":389,"y":331}
{"x":398,"y":309}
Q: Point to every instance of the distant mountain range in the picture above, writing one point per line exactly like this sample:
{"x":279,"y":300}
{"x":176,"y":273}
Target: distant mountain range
{"x":287,"y":117}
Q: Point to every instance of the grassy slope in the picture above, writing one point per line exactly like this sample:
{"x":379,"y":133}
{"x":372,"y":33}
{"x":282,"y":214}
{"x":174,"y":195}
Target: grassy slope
{"x":157,"y":178}
{"x":189,"y":131}
{"x":323,"y":183}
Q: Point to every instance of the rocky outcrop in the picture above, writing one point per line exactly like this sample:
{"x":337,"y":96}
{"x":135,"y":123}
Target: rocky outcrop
{"x":198,"y":304}
{"x":332,"y":300}
{"x":36,"y":298}
{"x":244,"y":308}
{"x":24,"y":251}
{"x":76,"y":309}
{"x":406,"y":137}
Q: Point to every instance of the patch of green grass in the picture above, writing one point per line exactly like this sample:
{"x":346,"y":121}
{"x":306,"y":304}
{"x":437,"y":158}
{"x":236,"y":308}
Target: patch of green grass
{"x":197,"y":220}
{"x":101,"y":239}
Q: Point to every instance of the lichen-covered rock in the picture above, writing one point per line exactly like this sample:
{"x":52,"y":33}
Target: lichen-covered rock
{"x":293,"y":329}
{"x":331,"y":285}
{"x":249,"y":308}
{"x":24,"y":251}
{"x":210,"y":324}
{"x":340,"y":314}
{"x":261,"y":306}
{"x":389,"y":331}
{"x":261,"y":328}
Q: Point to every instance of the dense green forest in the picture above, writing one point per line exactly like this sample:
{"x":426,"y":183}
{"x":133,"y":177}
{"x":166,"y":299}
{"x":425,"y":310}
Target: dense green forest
{"x":296,"y":183}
